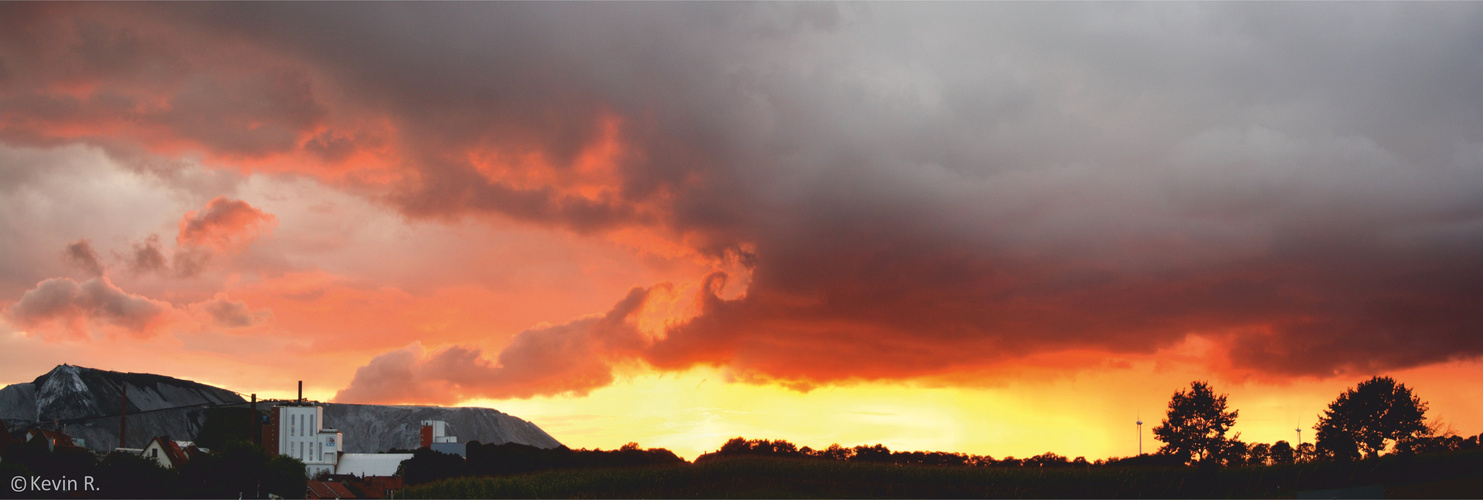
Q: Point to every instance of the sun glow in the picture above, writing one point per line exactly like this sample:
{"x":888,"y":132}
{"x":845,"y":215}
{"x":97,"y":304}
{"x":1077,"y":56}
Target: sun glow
{"x":1087,"y":414}
{"x":693,"y":412}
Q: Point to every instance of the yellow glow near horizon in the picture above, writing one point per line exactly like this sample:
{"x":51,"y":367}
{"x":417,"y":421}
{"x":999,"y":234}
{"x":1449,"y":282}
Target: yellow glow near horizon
{"x":1090,"y":414}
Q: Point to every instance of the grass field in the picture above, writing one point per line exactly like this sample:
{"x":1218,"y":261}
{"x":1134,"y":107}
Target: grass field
{"x":1454,"y":475}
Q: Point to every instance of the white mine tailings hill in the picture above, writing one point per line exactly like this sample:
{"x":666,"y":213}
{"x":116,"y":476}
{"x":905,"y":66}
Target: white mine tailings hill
{"x":85,"y":402}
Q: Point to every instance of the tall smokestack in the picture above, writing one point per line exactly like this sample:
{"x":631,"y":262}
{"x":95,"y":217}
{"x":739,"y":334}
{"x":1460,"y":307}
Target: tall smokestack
{"x":301,"y":391}
{"x":123,"y":408}
{"x":253,"y":428}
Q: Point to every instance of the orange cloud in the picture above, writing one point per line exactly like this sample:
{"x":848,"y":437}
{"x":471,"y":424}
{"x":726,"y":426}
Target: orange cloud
{"x":224,"y":224}
{"x":573,"y":358}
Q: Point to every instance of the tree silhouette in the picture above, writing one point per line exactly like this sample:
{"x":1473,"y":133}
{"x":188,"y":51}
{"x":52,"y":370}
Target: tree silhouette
{"x":1196,"y":426}
{"x":1235,"y":453}
{"x":427,"y":466}
{"x":1259,"y":454}
{"x":227,"y":424}
{"x":1282,"y":453}
{"x":1306,"y":452}
{"x":1364,"y":419}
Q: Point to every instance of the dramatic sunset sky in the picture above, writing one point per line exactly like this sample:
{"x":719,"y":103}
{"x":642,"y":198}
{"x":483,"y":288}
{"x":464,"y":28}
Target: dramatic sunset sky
{"x":998,"y":229}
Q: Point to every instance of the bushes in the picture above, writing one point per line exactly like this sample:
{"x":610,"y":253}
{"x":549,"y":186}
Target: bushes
{"x":511,"y":458}
{"x":771,"y":477}
{"x":126,"y":475}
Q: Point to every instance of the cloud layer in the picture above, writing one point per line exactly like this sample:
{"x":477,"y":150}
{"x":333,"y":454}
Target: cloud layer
{"x":899,"y":190}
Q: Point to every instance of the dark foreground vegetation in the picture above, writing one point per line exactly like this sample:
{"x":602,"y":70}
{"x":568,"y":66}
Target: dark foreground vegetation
{"x":513,"y":458}
{"x":234,"y":470}
{"x":1443,"y":475}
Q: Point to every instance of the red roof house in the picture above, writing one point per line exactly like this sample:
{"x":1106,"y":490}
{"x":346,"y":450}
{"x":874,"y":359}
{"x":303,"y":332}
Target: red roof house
{"x":328,"y":489}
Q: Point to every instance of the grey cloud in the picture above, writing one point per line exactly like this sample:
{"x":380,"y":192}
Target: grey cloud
{"x":233,"y":314}
{"x":80,"y":254}
{"x":189,"y":262}
{"x":148,"y":256}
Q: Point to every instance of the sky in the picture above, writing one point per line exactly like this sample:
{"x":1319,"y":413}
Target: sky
{"x":990,"y":228}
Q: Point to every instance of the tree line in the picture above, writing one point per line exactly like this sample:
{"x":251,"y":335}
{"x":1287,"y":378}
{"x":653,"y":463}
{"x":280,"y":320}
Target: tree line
{"x":1378,"y":416}
{"x":427,"y":465}
{"x":878,"y":453}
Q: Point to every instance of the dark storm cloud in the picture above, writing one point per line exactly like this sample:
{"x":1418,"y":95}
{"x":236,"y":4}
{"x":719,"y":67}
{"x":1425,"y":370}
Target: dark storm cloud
{"x":929,"y":187}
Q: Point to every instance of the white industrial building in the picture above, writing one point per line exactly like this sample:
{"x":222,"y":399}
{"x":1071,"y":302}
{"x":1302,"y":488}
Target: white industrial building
{"x":435,"y":437}
{"x":297,"y":429}
{"x":301,"y":434}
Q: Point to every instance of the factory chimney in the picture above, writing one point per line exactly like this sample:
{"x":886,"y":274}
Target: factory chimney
{"x":123,"y":408}
{"x":254,"y":427}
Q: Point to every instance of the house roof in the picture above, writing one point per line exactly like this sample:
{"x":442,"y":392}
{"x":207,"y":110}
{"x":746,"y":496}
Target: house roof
{"x":172,"y":451}
{"x":53,"y":437}
{"x":370,"y":464}
{"x":329,"y":489}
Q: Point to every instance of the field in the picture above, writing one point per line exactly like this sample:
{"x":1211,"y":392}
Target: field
{"x":1452,"y":475}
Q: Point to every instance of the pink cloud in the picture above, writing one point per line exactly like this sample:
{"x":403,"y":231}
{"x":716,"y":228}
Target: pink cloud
{"x":224,"y":224}
{"x":571,"y":358}
{"x":61,"y":305}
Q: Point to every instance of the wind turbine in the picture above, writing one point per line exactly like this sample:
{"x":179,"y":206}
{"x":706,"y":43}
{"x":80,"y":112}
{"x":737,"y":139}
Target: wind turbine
{"x":1300,"y":435}
{"x":1140,"y":435}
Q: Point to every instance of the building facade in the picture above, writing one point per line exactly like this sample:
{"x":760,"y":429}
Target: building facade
{"x":435,"y":437}
{"x":297,"y":430}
